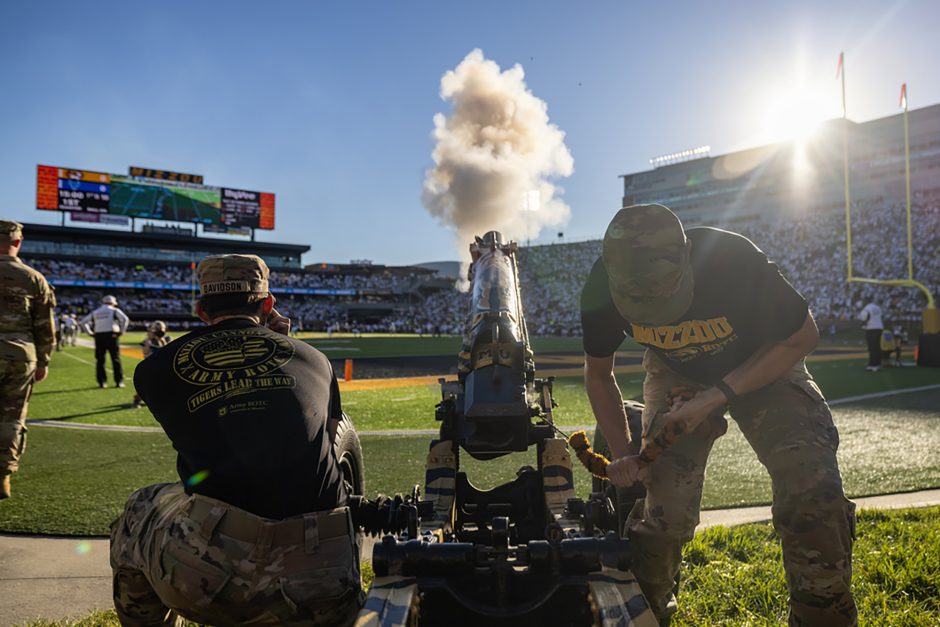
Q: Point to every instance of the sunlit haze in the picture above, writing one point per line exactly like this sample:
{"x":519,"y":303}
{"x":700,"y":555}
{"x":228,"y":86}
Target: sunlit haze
{"x":331,"y":106}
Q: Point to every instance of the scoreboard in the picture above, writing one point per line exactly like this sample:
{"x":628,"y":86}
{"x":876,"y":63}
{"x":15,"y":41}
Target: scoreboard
{"x":88,"y":192}
{"x":61,"y":189}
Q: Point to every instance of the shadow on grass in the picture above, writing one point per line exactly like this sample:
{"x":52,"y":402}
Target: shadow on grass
{"x":63,"y":391}
{"x":103,"y":410}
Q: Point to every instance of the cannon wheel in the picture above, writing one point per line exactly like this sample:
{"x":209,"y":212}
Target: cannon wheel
{"x":349,"y":455}
{"x":623,"y":498}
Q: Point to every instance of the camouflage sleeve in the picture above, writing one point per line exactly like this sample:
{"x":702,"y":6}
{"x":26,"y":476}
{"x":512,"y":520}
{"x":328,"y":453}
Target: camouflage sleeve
{"x":43,"y":314}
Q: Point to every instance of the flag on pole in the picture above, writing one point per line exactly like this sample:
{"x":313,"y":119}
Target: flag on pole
{"x":839,"y":66}
{"x":903,"y":100}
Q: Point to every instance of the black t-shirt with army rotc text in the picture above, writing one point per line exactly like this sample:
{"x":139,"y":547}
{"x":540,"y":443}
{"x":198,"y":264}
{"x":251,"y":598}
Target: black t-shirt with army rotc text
{"x":740,"y":303}
{"x":247,"y":410}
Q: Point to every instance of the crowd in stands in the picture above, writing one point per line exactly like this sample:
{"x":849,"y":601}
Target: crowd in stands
{"x":66,"y":269}
{"x":80,"y":301}
{"x":148,"y":305}
{"x":810,"y":250}
{"x":442,"y":312}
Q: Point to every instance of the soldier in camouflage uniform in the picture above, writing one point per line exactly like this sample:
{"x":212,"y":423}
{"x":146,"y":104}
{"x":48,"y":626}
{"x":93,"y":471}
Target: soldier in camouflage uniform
{"x":27,"y":336}
{"x":718,"y":318}
{"x":257,"y":530}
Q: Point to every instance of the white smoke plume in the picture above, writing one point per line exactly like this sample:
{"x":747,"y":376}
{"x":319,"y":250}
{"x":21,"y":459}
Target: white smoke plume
{"x":494,"y":156}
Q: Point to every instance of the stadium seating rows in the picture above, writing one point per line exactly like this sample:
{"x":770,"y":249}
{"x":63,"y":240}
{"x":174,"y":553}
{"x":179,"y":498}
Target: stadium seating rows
{"x":810,"y":250}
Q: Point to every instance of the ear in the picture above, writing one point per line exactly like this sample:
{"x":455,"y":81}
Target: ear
{"x":201,"y":313}
{"x":267,"y":305}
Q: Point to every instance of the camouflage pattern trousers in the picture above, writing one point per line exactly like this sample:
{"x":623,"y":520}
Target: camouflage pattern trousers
{"x":175,"y":556}
{"x":789,"y":426}
{"x":16,"y":384}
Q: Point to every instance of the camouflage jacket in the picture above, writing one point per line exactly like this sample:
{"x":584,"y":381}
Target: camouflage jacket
{"x":27,"y":313}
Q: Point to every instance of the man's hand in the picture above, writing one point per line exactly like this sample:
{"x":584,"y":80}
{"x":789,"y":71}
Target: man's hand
{"x":626,"y":471}
{"x":690,"y":413}
{"x":278,"y":323}
{"x":40,"y":373}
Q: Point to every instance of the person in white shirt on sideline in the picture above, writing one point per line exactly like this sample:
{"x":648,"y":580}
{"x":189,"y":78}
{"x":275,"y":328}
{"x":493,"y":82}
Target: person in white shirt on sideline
{"x":71,"y":325}
{"x":873,"y":325}
{"x":107,"y":323}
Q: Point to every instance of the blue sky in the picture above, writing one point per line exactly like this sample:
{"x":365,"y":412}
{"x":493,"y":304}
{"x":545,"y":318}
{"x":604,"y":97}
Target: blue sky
{"x":330,"y":105}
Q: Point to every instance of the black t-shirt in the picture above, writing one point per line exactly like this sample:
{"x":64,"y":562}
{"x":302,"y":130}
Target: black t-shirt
{"x":247,"y":410}
{"x":741,"y":302}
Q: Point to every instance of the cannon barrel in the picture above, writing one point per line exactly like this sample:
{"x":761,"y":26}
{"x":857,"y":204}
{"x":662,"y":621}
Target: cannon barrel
{"x":488,"y":410}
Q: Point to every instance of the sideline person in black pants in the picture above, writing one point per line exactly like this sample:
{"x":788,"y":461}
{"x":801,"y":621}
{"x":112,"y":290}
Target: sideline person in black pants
{"x":871,"y":316}
{"x":106,"y":324}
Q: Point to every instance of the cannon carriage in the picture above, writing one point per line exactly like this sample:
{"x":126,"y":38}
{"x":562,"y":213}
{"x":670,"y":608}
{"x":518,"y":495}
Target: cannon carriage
{"x":527,"y":550}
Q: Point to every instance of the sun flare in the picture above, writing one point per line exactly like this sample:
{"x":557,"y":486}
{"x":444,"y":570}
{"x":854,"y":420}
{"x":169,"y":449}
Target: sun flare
{"x":796,"y":115}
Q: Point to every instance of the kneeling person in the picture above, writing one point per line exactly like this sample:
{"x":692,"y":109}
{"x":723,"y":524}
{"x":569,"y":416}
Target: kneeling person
{"x":256,"y":530}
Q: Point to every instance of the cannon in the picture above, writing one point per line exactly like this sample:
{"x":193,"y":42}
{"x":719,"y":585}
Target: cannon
{"x":528,"y":550}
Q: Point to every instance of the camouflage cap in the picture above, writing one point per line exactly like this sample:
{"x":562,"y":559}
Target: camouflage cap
{"x":646,"y":256}
{"x":233,"y":274}
{"x":11,"y":230}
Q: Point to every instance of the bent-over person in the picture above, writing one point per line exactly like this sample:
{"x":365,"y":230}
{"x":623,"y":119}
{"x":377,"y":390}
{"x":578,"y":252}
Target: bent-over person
{"x":717,"y":318}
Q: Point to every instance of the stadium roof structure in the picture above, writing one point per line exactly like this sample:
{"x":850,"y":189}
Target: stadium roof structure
{"x":364,"y":268}
{"x":797,"y":175}
{"x":88,"y":244}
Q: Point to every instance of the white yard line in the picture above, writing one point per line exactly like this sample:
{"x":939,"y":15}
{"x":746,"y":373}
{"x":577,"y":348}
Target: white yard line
{"x":92,"y":427}
{"x":68,"y":354}
{"x":392,"y":432}
{"x":865,"y":397}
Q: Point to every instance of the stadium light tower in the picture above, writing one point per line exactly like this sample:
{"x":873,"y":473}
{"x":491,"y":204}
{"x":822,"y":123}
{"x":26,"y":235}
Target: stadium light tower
{"x":531,"y":203}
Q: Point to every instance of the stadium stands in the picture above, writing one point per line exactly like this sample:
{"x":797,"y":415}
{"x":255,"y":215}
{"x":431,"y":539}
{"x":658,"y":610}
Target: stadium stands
{"x":810,"y":249}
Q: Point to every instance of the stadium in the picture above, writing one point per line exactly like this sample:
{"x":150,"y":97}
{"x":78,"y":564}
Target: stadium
{"x":441,"y":456}
{"x":761,"y":193}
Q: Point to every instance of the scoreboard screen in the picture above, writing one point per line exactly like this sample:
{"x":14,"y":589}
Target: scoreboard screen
{"x":244,"y":208}
{"x":83,"y":191}
{"x":61,"y":189}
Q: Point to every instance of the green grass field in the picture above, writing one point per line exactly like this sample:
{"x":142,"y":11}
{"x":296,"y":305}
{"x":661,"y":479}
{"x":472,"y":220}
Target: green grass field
{"x":734,"y":576}
{"x":75,"y":482}
{"x":71,"y":394}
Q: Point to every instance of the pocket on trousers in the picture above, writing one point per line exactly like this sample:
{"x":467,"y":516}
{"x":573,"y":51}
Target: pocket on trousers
{"x":21,"y":445}
{"x":809,"y":388}
{"x":191,"y":582}
{"x":318,"y":591}
{"x":817,"y":412}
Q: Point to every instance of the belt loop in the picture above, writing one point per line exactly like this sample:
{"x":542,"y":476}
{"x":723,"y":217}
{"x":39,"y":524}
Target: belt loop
{"x":211,"y":521}
{"x":263,"y":541}
{"x":311,"y":533}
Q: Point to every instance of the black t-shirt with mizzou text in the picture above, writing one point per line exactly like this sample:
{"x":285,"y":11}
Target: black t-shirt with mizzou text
{"x":247,"y":410}
{"x":740,"y":303}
